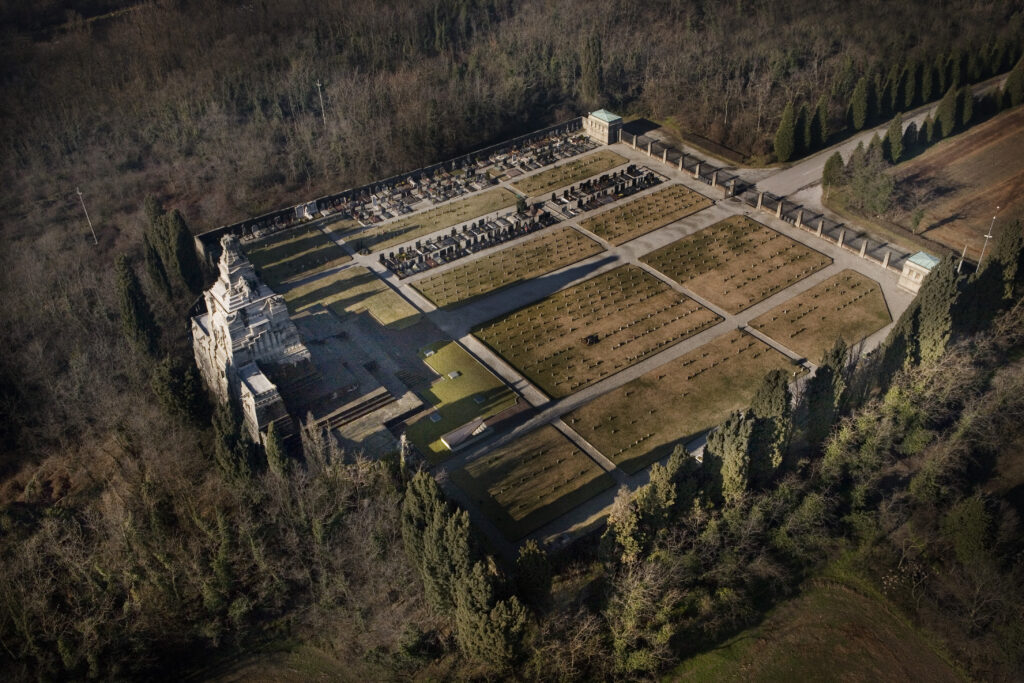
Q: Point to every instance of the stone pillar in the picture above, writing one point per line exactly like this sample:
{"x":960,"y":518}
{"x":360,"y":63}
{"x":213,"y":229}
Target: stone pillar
{"x":821,"y":224}
{"x":778,"y":209}
{"x":664,"y":156}
{"x":863,"y":247}
{"x":649,"y":143}
{"x":760,"y":200}
{"x":800,"y":218}
{"x":842,"y":236}
{"x":714,"y":179}
{"x":696,"y":171}
{"x":885,"y":261}
{"x":681,"y":157}
{"x":618,"y":135}
{"x":732,"y":188}
{"x":634,"y":141}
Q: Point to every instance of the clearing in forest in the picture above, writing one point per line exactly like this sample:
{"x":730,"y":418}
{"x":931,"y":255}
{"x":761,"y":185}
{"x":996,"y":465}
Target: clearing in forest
{"x":291,"y":254}
{"x":960,"y":181}
{"x":354,"y":290}
{"x":736,"y":262}
{"x":527,"y":259}
{"x":569,"y":173}
{"x":641,"y":421}
{"x":537,"y":478}
{"x":582,"y":334}
{"x":463,"y":391}
{"x":646,"y":214}
{"x":847,"y":305}
{"x":440,"y":217}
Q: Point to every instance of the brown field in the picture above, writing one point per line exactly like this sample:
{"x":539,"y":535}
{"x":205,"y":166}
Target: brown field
{"x":641,"y":421}
{"x":646,"y":214}
{"x":847,"y":304}
{"x":631,"y":313}
{"x":530,"y":258}
{"x":531,"y":481}
{"x":964,"y":179}
{"x":736,"y":262}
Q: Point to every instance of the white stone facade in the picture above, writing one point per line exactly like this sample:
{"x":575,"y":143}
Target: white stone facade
{"x":915,"y":270}
{"x":246,"y":330}
{"x":603,"y":126}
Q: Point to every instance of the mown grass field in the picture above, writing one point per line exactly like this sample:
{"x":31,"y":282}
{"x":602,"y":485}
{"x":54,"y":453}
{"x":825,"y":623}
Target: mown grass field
{"x":474,"y":392}
{"x":646,"y":214}
{"x":827,"y":633}
{"x":641,"y":421}
{"x":579,"y":335}
{"x":354,"y":290}
{"x":293,"y":254}
{"x":537,"y":478}
{"x":530,"y":258}
{"x":566,"y":174}
{"x":847,"y":305}
{"x":736,"y":262}
{"x":413,"y":226}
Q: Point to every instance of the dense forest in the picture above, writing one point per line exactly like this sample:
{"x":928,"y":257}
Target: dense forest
{"x":141,"y":536}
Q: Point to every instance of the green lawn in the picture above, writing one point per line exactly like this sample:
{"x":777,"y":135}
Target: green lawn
{"x":547,"y":252}
{"x":292,"y":254}
{"x":848,"y":305}
{"x":641,"y":421}
{"x":569,"y":173}
{"x":827,"y":633}
{"x":537,"y":478}
{"x":646,"y":214}
{"x":353,"y":290}
{"x":401,"y":230}
{"x":474,"y":393}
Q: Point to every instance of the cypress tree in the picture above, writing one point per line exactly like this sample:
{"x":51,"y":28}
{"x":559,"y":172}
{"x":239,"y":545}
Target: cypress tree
{"x":801,"y":132}
{"x":231,"y":450}
{"x":859,"y":104}
{"x":730,"y":443}
{"x":1013,"y":89}
{"x":911,"y":79}
{"x":785,"y":136}
{"x":939,"y":296}
{"x":965,"y":107}
{"x":819,"y":124}
{"x":945,"y":115}
{"x":910,"y":136}
{"x":179,"y":389}
{"x":533,"y":574}
{"x":894,"y":139}
{"x":422,"y":501}
{"x":772,"y":406}
{"x":939,"y":75}
{"x":137,"y":322}
{"x":155,"y":267}
{"x":927,"y":133}
{"x":1006,"y":256}
{"x":824,"y":392}
{"x":277,"y":459}
{"x":833,"y":172}
{"x":928,"y":88}
{"x":183,"y":249}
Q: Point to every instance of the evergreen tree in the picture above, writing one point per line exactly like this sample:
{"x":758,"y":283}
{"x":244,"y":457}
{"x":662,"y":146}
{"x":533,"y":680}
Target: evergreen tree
{"x":137,"y":320}
{"x":155,"y":267}
{"x":1013,"y":88}
{"x":824,"y":393}
{"x":859,"y":104}
{"x":1008,"y":253}
{"x":183,"y":248}
{"x":896,"y":85}
{"x":965,"y":107}
{"x":488,"y":630}
{"x":870,"y":187}
{"x":939,"y":296}
{"x":277,"y":459}
{"x":894,"y":139}
{"x":772,"y":406}
{"x":945,"y":115}
{"x":179,"y":389}
{"x":940,"y":81}
{"x":928,"y":88}
{"x":785,"y":136}
{"x":802,"y":137}
{"x":911,"y":78}
{"x":231,"y":450}
{"x":730,"y":443}
{"x":533,"y":574}
{"x":910,"y":137}
{"x":926,"y":135}
{"x":818,"y":125}
{"x":833,"y":172}
{"x":153,"y":209}
{"x":422,"y":500}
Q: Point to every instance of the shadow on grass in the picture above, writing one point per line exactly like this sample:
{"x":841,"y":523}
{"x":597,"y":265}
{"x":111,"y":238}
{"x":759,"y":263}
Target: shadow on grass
{"x":336,"y":287}
{"x":273,"y":253}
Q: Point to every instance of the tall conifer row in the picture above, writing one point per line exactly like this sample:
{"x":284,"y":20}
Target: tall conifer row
{"x":137,"y":321}
{"x":859,"y":104}
{"x":785,"y":136}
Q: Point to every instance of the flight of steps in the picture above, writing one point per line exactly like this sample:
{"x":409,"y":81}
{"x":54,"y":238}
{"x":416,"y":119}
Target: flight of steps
{"x":350,"y":412}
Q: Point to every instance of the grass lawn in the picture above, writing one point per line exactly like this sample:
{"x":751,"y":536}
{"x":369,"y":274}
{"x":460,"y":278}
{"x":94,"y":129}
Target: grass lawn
{"x":353,"y":290}
{"x":847,"y":304}
{"x":641,"y":421}
{"x":646,"y":214}
{"x":580,"y":335}
{"x":295,"y":253}
{"x":736,"y":262}
{"x":537,"y":478}
{"x":827,"y":633}
{"x":416,"y":225}
{"x":474,"y":392}
{"x":569,"y":173}
{"x":530,"y":258}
